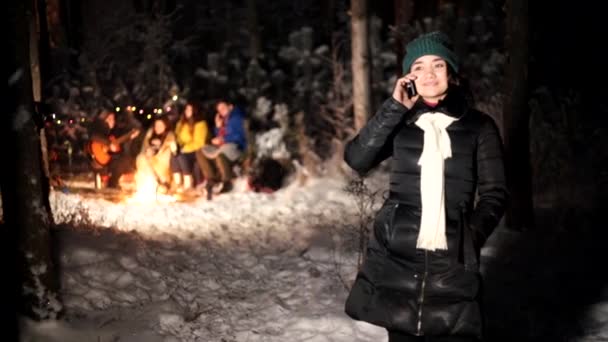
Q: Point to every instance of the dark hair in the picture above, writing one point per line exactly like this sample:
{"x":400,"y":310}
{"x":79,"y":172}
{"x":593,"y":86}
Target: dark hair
{"x":222,"y":100}
{"x":104,"y":114}
{"x":165,"y":120}
{"x":164,"y":134}
{"x":196,"y":109}
{"x":196,"y":115}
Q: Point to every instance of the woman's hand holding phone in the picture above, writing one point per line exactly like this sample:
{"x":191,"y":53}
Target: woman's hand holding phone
{"x":400,"y":92}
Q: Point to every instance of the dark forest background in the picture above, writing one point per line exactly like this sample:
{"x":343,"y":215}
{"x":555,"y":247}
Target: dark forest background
{"x":539,"y":69}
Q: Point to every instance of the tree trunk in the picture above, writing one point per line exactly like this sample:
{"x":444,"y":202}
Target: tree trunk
{"x":34,"y":42}
{"x":329,"y":12}
{"x":461,"y":35}
{"x":255,"y":46}
{"x":39,"y":58}
{"x":24,"y":188}
{"x":516,"y":118}
{"x":426,"y":8}
{"x":231,"y":29}
{"x":54,"y":43}
{"x":404,"y":11}
{"x":360,"y":62}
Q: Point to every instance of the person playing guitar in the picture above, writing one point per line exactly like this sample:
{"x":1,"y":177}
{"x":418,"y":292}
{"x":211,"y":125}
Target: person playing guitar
{"x":106,"y":150}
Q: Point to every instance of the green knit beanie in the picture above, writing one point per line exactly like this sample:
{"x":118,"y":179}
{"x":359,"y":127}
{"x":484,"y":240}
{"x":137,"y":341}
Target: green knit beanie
{"x":432,"y":43}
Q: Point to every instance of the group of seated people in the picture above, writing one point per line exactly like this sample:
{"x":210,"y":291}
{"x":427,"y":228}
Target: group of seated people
{"x":179,"y":159}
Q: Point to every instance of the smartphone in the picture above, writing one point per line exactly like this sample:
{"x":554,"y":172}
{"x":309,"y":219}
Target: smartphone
{"x":410,"y":87}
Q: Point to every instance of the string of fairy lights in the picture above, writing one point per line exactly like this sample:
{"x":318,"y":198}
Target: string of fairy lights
{"x":130,"y":108}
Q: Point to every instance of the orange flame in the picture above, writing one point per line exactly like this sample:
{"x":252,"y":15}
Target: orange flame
{"x":148,"y":190}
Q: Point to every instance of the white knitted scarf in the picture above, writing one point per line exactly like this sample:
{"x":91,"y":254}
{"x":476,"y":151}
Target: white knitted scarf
{"x":437,"y":147}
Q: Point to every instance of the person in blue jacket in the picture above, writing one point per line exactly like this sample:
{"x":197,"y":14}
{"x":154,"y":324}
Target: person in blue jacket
{"x":226,"y":147}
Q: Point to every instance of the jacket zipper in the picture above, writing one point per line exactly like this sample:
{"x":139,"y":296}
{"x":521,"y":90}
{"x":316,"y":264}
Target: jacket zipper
{"x":421,"y":298}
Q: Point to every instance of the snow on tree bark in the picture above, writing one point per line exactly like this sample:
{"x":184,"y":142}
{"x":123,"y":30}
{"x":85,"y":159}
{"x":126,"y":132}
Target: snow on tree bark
{"x":25,"y":200}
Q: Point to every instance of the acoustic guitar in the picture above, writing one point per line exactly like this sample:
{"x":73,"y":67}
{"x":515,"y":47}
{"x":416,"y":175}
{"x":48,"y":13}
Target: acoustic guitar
{"x":100,"y":151}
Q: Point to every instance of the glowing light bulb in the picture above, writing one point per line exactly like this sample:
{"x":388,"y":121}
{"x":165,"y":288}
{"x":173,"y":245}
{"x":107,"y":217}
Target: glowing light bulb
{"x":174,"y":97}
{"x":149,"y":116}
{"x":118,"y":109}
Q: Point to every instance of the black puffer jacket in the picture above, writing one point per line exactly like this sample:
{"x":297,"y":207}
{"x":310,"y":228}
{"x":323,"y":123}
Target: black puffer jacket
{"x":411,"y":290}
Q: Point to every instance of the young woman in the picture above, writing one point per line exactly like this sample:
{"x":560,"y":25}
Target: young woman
{"x":421,"y":279}
{"x":153,"y":161}
{"x":192,"y":134}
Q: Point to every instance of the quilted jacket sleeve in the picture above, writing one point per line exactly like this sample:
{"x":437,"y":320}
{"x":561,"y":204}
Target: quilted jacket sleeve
{"x":373,"y":143}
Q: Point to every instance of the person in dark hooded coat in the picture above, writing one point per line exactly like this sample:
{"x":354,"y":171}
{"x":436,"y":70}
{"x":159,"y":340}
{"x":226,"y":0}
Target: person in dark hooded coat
{"x":420,"y":278}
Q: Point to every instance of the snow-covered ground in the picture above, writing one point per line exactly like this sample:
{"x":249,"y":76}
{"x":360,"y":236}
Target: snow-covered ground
{"x":270,"y":267}
{"x":243,"y":267}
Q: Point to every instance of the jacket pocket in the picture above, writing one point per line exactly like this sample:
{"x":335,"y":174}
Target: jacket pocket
{"x":384,"y":224}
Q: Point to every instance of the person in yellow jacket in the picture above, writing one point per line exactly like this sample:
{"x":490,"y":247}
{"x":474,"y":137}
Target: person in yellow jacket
{"x":191,"y":133}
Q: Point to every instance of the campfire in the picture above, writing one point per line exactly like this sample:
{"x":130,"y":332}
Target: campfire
{"x":148,"y":190}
